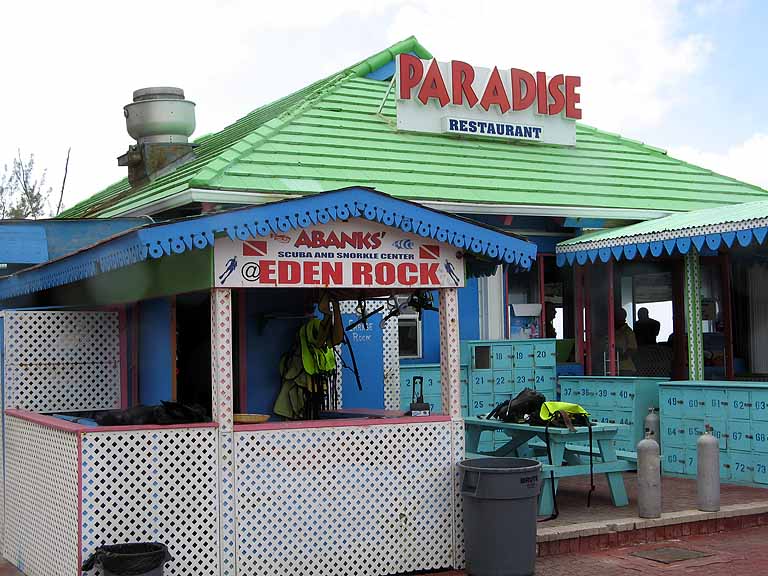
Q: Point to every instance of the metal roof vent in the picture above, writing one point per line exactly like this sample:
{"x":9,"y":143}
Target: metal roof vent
{"x":160,"y":114}
{"x":161,"y":121}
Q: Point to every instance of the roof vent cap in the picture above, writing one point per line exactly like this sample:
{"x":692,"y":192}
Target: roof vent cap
{"x":160,"y":115}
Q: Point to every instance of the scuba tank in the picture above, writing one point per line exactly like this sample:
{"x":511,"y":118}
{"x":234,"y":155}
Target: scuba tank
{"x":652,"y":426}
{"x":708,"y":472}
{"x":648,"y":478}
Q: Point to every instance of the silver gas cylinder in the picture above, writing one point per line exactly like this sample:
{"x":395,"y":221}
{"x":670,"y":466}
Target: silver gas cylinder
{"x":648,"y":478}
{"x":652,"y":425}
{"x":708,"y":472}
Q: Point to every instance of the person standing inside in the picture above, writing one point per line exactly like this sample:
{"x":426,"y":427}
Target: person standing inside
{"x":626,"y":344}
{"x":646,"y":328}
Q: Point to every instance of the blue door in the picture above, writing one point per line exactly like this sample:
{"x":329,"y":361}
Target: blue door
{"x":367,"y":344}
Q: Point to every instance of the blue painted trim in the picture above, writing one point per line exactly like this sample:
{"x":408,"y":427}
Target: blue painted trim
{"x":704,"y":244}
{"x":387,"y":71}
{"x":160,"y":240}
{"x":155,"y":378}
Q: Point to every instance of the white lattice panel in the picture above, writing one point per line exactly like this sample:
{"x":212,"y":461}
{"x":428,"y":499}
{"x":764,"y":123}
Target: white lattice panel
{"x":357,"y":500}
{"x":62,"y":360}
{"x":458,"y":502}
{"x":41,"y":506}
{"x":154,"y":486}
{"x":391,"y":358}
{"x":450,"y":367}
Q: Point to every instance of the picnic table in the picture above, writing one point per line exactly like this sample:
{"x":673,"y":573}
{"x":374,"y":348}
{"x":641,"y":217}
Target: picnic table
{"x":568,"y":449}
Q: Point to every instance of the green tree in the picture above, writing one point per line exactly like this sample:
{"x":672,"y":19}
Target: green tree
{"x":29,"y":195}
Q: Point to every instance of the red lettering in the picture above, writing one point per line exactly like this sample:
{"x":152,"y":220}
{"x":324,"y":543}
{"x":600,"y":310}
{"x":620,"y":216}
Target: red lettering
{"x":462,"y":76}
{"x":346,"y":239}
{"x":318,"y":239}
{"x":303,"y":239}
{"x":428,"y":274}
{"x":407,"y":274}
{"x":311,"y":273}
{"x":572,"y":97}
{"x":541,"y":92}
{"x":267,"y":272}
{"x":434,"y":86}
{"x":520,"y":77}
{"x":495,"y":93}
{"x":288,"y":272}
{"x":385,"y":273}
{"x":362,"y":274}
{"x":332,"y":273}
{"x":556,"y":91}
{"x":376,"y":239}
{"x":411,"y":71}
{"x":332,"y":240}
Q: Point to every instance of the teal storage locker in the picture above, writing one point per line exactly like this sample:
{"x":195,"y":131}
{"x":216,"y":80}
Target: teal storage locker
{"x":432,"y":386}
{"x":499,"y":369}
{"x":738,"y":414}
{"x":620,"y":400}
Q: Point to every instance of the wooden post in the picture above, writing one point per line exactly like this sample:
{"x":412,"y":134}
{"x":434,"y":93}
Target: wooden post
{"x":725,"y":284}
{"x":588,"y":317}
{"x":692,"y":296}
{"x":612,"y":368}
{"x":578,"y":279}
{"x":221,"y":404}
{"x":450,"y":363}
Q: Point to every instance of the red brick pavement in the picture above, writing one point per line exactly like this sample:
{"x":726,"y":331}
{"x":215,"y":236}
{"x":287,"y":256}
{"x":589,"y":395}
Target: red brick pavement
{"x":732,"y":553}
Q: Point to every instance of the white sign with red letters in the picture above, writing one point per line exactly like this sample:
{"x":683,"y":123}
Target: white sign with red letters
{"x":353,"y":254}
{"x":457,"y":98}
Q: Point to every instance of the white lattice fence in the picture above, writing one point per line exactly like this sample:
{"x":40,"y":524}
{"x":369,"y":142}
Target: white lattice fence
{"x":154,"y":486}
{"x":41,"y":505}
{"x":357,"y":500}
{"x":62,"y":360}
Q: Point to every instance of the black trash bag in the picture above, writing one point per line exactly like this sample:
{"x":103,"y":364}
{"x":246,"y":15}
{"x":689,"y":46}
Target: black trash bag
{"x":128,"y":559}
{"x":519,"y":409}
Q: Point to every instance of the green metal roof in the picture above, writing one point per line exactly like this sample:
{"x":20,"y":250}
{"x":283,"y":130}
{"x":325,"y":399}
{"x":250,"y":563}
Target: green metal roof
{"x":742,"y":223}
{"x":329,"y":136}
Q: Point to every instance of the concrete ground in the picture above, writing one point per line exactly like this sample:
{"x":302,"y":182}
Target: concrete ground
{"x":678,"y":494}
{"x":723,"y":554}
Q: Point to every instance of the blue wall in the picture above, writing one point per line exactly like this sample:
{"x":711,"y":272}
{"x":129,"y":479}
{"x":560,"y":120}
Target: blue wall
{"x":267,"y":341}
{"x":155,"y":365}
{"x":469,"y":325}
{"x":367,"y":344}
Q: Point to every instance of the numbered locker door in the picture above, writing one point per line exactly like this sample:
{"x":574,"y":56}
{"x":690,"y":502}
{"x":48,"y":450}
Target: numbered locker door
{"x":625,"y":395}
{"x":544,"y":354}
{"x":693,"y":403}
{"x":671,"y":402}
{"x":760,"y":463}
{"x":523,"y":353}
{"x":719,"y":431}
{"x":715,"y":403}
{"x":759,"y":408}
{"x":759,"y":436}
{"x":742,"y":466}
{"x":569,"y":391}
{"x":738,"y":404}
{"x":503,"y":383}
{"x":523,"y":378}
{"x":739,"y":435}
{"x":501,"y":357}
{"x":602,"y":390}
{"x":672,"y":433}
{"x":481,"y":382}
{"x":545,"y":381}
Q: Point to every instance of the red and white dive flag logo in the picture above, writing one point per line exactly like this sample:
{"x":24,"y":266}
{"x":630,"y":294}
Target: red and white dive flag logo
{"x":254,"y":248}
{"x":429,"y":252}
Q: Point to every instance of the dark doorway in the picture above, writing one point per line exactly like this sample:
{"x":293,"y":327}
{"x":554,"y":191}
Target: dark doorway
{"x":193,"y":349}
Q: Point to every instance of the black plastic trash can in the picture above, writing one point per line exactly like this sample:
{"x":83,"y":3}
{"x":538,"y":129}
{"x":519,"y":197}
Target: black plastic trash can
{"x":141,"y":559}
{"x":500,"y":505}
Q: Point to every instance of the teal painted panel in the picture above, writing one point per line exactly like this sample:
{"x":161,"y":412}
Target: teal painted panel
{"x":435,"y":403}
{"x":715,"y":402}
{"x":759,"y":436}
{"x":693,"y":403}
{"x":480,"y":404}
{"x":503,"y":382}
{"x":760,"y":464}
{"x":719,"y":431}
{"x":738,"y":404}
{"x":759,"y":408}
{"x":742,"y":466}
{"x":502,"y":357}
{"x":545,"y":378}
{"x":671,"y":402}
{"x":523,"y":353}
{"x":673,"y":461}
{"x":605,"y":391}
{"x":690,"y":465}
{"x":481,"y":382}
{"x":739,"y":432}
{"x":544,"y":353}
{"x":569,"y":392}
{"x":625,"y":395}
{"x":673,"y":434}
{"x":523,"y":379}
{"x":725,"y":465}
{"x":693,"y":429}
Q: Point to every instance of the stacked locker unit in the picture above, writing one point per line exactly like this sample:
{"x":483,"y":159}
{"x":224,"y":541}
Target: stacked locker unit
{"x":500,"y":369}
{"x":738,"y":414}
{"x":431,"y":375}
{"x":614,"y":400}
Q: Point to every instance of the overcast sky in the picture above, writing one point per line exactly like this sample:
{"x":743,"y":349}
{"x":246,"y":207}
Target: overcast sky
{"x":687,"y":76}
